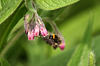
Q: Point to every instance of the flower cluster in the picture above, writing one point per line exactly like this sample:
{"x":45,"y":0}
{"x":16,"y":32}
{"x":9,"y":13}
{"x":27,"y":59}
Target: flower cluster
{"x":34,"y":26}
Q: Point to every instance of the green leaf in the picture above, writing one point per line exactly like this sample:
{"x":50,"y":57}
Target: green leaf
{"x":9,"y":23}
{"x":54,"y":4}
{"x":3,"y":62}
{"x":96,"y":49}
{"x":9,"y":6}
{"x":81,"y":55}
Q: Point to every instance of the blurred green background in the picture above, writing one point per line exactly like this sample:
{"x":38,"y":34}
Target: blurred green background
{"x":72,"y":22}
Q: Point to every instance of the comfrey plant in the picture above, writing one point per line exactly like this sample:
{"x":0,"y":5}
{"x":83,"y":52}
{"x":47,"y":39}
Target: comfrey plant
{"x":34,"y":26}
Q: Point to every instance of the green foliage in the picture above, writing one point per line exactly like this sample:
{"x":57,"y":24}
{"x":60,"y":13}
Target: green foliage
{"x":3,"y":62}
{"x":81,"y":54}
{"x":8,"y":24}
{"x":8,"y":7}
{"x":96,"y":48}
{"x":59,"y":60}
{"x":29,"y":5}
{"x":72,"y":20}
{"x":54,"y":4}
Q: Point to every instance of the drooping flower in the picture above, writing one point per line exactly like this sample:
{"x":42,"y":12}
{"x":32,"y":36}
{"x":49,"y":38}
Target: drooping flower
{"x":30,"y":33}
{"x":43,"y":31}
{"x":30,"y":36}
{"x":42,"y":28}
{"x":36,"y":29}
{"x":62,"y":46}
{"x":34,"y":26}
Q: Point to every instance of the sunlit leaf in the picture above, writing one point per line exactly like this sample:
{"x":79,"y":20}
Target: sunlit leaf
{"x":53,"y":4}
{"x":8,"y":7}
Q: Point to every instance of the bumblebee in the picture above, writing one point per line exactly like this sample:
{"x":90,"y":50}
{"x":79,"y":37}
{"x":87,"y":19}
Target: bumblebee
{"x":53,"y":40}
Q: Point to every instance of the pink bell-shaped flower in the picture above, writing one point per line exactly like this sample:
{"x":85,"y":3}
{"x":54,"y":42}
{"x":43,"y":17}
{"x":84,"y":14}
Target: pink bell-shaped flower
{"x":30,"y":36}
{"x":62,"y":46}
{"x":36,"y":30}
{"x":43,"y":31}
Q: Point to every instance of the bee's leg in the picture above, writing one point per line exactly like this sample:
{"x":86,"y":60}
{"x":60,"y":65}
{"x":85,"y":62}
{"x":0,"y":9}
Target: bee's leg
{"x":55,"y":46}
